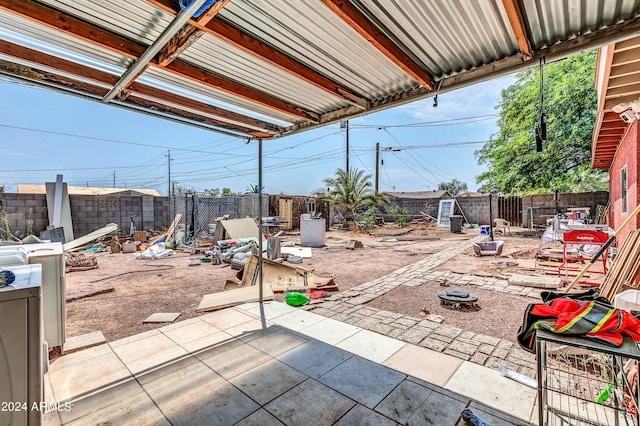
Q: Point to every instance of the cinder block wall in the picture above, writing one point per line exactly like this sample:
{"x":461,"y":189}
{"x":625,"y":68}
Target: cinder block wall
{"x":415,"y":206}
{"x":88,"y":212}
{"x":476,"y":209}
{"x":539,"y":207}
{"x":20,"y":210}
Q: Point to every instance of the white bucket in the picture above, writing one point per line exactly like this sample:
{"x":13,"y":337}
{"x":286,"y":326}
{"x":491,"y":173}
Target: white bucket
{"x":628,"y":300}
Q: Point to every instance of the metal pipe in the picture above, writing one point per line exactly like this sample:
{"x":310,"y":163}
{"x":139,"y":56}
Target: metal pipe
{"x":490,"y":216}
{"x":260,"y":226}
{"x":138,"y":66}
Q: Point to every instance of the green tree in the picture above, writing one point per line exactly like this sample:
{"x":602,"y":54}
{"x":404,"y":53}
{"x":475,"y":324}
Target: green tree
{"x":350,"y":190}
{"x":570,"y":102}
{"x":212,"y":192}
{"x":453,"y":187}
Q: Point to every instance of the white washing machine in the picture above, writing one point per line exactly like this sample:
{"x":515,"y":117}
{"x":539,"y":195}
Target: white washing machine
{"x":23,"y":353}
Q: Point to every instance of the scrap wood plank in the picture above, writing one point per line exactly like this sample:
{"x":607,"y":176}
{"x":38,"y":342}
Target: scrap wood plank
{"x":461,"y":211}
{"x":84,"y":290}
{"x":625,"y":267}
{"x":534,"y":281}
{"x":238,"y":296}
{"x":86,"y":239}
{"x":173,"y":225}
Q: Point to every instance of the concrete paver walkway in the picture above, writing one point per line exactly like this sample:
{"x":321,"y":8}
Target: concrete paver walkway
{"x":350,"y":307}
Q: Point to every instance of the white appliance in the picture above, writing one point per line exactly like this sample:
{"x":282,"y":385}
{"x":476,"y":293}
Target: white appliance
{"x":23,"y":353}
{"x":54,"y":304}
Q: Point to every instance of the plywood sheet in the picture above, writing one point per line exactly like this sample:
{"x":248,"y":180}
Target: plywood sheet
{"x":241,"y":228}
{"x":225,"y":299}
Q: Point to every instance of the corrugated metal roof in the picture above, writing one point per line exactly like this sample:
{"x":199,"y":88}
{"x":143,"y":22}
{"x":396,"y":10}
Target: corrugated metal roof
{"x":138,"y":21}
{"x":237,"y":65}
{"x":446,"y":36}
{"x":550,"y":22}
{"x":339,"y":68}
{"x":233,"y":103}
{"x":51,"y":37}
{"x":309,"y":32}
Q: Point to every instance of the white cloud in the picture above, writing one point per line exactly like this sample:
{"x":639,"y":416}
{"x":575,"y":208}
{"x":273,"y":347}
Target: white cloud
{"x":476,"y":100}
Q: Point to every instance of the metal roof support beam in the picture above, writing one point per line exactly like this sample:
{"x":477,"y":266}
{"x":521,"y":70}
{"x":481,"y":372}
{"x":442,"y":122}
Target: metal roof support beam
{"x":178,"y":44}
{"x":95,"y":92}
{"x":107,"y":79}
{"x":517,"y":25}
{"x":52,"y":18}
{"x":188,"y":35}
{"x":142,"y":62}
{"x":249,"y":44}
{"x":351,"y":15}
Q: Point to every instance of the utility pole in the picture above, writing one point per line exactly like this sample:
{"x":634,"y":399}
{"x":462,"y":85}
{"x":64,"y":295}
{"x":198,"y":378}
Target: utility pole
{"x":377,"y":165}
{"x":114,"y":178}
{"x":169,"y":172}
{"x":345,"y":125}
{"x":388,"y":148}
{"x":347,"y":146}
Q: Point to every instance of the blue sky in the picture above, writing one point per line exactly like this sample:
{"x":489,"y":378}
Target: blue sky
{"x":45,"y":133}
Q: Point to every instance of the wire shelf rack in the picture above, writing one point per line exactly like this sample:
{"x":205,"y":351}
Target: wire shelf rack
{"x":581,"y":382}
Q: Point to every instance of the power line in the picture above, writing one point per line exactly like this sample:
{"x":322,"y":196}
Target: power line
{"x":412,"y":156}
{"x":437,"y":123}
{"x":71,"y":135}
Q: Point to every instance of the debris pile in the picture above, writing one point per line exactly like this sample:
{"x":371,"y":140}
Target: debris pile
{"x":80,"y":262}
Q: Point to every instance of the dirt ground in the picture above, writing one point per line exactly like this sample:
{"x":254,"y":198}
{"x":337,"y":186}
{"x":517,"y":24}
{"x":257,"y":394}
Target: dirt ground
{"x":142,"y":287}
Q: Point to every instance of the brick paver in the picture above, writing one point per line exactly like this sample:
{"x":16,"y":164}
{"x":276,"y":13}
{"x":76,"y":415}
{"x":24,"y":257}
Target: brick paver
{"x":478,"y":348}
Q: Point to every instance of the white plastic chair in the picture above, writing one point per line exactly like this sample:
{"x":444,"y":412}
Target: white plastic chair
{"x":501,"y":223}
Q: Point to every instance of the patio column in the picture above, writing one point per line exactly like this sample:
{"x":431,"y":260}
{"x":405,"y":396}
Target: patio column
{"x":260,"y":233}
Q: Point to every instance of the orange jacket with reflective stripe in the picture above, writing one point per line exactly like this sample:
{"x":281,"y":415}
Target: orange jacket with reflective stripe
{"x":592,"y":319}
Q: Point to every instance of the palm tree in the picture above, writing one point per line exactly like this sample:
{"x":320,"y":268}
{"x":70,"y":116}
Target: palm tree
{"x":350,"y":190}
{"x":252,"y":189}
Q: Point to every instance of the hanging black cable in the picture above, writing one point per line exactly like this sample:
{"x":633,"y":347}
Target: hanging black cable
{"x":541,"y":125}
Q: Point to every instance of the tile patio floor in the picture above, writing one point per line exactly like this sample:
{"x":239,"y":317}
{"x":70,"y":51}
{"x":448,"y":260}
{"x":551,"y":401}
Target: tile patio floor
{"x":223,"y":368}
